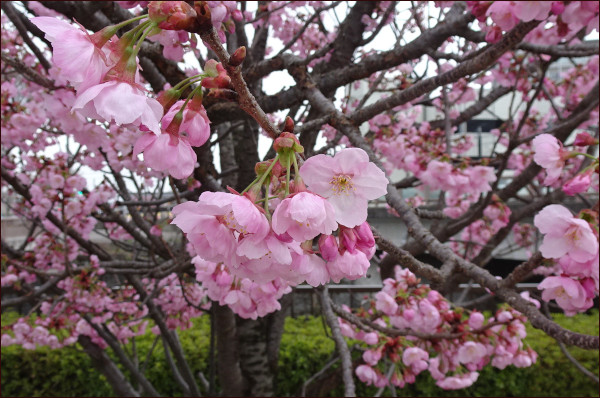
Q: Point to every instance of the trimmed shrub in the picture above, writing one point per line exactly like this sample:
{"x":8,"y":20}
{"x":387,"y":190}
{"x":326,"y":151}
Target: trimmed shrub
{"x":305,"y":349}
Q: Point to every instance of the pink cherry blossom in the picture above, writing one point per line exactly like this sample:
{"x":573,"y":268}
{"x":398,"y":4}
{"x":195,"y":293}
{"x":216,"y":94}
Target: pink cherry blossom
{"x":550,"y":155}
{"x":416,"y":358}
{"x":371,"y":357}
{"x":366,"y":374}
{"x":348,"y":181}
{"x":81,"y":61}
{"x":568,"y":293}
{"x":166,"y":152}
{"x":385,"y":303}
{"x":348,"y":265}
{"x":476,"y":320}
{"x":529,"y":10}
{"x":578,"y":184}
{"x":120,"y":102}
{"x":211,"y":239}
{"x":471,"y":352}
{"x":565,"y":234}
{"x":503,"y":15}
{"x":304,"y":216}
{"x":458,"y":382}
{"x":195,"y":124}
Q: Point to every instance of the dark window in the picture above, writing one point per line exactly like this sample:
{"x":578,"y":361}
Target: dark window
{"x":485,"y":125}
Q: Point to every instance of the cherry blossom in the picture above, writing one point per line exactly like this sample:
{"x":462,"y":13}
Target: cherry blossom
{"x":348,"y":181}
{"x":565,"y":234}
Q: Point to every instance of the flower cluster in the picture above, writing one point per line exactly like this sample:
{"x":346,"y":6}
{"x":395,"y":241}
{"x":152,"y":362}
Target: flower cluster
{"x":104,"y":71}
{"x":275,"y":241}
{"x":451,"y":343}
{"x":245,"y":297}
{"x":573,"y":243}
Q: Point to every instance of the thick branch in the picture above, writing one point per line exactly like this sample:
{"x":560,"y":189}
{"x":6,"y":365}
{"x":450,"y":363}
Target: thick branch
{"x":340,"y":343}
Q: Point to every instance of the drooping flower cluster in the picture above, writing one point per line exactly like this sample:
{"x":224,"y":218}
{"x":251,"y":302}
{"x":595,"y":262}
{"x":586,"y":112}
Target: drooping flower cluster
{"x":451,"y":343}
{"x":573,"y":243}
{"x":105,"y":72}
{"x":275,"y":241}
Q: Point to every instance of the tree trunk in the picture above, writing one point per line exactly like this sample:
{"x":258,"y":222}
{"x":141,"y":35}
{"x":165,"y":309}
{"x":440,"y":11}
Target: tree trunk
{"x":108,"y":368}
{"x":228,"y":360}
{"x":254,"y":360}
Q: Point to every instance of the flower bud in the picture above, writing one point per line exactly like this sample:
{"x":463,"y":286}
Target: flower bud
{"x":218,"y":77}
{"x":328,"y":247}
{"x":203,"y":16}
{"x":289,"y":125}
{"x":237,"y":57}
{"x":584,"y":139}
{"x":287,"y":141}
{"x":172,"y":15}
{"x":168,"y":97}
{"x":347,"y":239}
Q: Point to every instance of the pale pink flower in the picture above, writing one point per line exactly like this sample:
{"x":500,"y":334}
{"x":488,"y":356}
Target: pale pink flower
{"x":579,"y":269}
{"x":480,"y":178}
{"x":550,"y":155}
{"x":579,"y":183}
{"x":371,"y":357}
{"x":458,"y":382}
{"x":195,"y":124}
{"x":348,"y":265}
{"x":312,"y":269}
{"x":211,"y":239}
{"x":471,"y":352}
{"x":166,"y":152}
{"x":522,"y":360}
{"x":122,"y":102}
{"x":503,"y":15}
{"x":240,"y":215}
{"x":366,"y":374}
{"x":304,"y":216}
{"x":370,"y":338}
{"x":476,"y":320}
{"x":416,"y":358}
{"x":565,"y":234}
{"x":385,"y":303}
{"x":81,"y":61}
{"x":568,"y":293}
{"x":348,"y":181}
{"x":529,"y":10}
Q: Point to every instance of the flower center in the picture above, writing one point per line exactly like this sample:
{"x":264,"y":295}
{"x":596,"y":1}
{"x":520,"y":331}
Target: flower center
{"x":230,"y":222}
{"x":342,"y":184}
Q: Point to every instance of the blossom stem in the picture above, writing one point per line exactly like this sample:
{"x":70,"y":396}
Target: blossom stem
{"x":149,"y":27}
{"x":587,"y":155}
{"x":296,"y":173}
{"x":185,"y":82}
{"x":250,"y":186}
{"x":266,"y":201}
{"x":287,"y":176}
{"x":125,"y":23}
{"x":266,"y":173}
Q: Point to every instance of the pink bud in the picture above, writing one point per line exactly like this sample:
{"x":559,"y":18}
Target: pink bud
{"x":579,"y":183}
{"x":172,"y":15}
{"x":584,"y":139}
{"x":558,"y":7}
{"x":589,"y":286}
{"x":237,"y":57}
{"x":328,"y":247}
{"x":493,"y":35}
{"x":347,"y":239}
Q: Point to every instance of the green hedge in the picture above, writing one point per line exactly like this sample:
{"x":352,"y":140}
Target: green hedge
{"x":305,"y":348}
